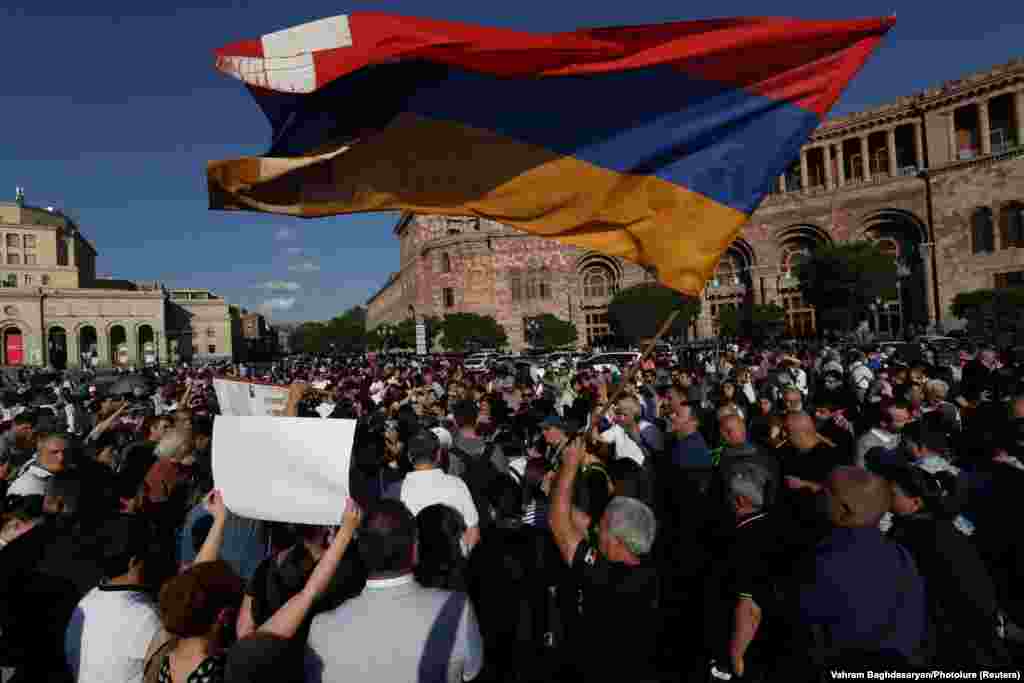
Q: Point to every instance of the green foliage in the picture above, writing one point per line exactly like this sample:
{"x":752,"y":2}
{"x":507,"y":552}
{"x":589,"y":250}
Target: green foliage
{"x":767,"y":320}
{"x":638,"y":312}
{"x":401,"y":335}
{"x":463,"y":330}
{"x":847,"y":278}
{"x":991,"y":311}
{"x":309,"y":338}
{"x":553,"y":332}
{"x":343,"y":333}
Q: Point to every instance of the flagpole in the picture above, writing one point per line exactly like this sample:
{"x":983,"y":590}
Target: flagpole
{"x":631,"y":373}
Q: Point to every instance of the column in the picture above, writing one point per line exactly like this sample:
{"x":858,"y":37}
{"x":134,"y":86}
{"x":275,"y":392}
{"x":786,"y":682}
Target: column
{"x":826,"y":153}
{"x":840,"y":165}
{"x":74,"y":355}
{"x":1018,"y":110}
{"x":805,"y":176}
{"x":865,"y":158}
{"x":954,"y":143}
{"x":984,"y":128}
{"x":890,"y":141}
{"x":918,"y":146}
{"x":131,"y":338}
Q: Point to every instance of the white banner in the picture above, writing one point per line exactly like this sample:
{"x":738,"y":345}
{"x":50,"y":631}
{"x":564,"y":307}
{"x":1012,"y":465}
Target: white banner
{"x":248,"y":399}
{"x":283,"y":469}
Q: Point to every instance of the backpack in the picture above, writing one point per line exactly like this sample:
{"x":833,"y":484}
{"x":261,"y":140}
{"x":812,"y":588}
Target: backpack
{"x":479,"y":473}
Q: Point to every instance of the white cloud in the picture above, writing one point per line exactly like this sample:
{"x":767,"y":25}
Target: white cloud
{"x":281,"y":286}
{"x":293,"y":251}
{"x":285,"y":234}
{"x":278,"y":304}
{"x":305,"y":267}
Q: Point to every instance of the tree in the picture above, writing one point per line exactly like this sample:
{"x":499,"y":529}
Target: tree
{"x":401,"y":335}
{"x":843,"y":280}
{"x":638,"y":312}
{"x":991,"y":312}
{"x":552,"y":332}
{"x":463,"y":330}
{"x":347,"y":332}
{"x":767,"y":320}
{"x":309,"y":337}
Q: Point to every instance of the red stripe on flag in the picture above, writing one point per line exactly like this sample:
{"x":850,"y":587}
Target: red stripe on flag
{"x":803,"y":62}
{"x":243,"y":48}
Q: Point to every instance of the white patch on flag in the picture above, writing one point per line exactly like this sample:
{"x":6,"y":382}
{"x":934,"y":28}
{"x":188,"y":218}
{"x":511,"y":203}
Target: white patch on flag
{"x":323,"y":34}
{"x":291,"y":74}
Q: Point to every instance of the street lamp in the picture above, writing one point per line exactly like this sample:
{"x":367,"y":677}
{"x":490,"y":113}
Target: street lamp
{"x":925,"y":175}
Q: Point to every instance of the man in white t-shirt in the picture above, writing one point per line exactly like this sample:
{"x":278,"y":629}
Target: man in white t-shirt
{"x":396,"y":629}
{"x":113,"y":625}
{"x":428,"y":484}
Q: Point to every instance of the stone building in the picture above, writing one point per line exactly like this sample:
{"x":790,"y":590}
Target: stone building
{"x":202,"y":326}
{"x":861,"y":176}
{"x":57,"y":312}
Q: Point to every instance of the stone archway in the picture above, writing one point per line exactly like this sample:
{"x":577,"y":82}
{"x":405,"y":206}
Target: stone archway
{"x":13,"y":346}
{"x":796,"y":243}
{"x":119,"y":353}
{"x":147,"y":352}
{"x":57,"y":347}
{"x":903,"y":235}
{"x":599,"y":280}
{"x":88,"y":345}
{"x":731,"y":286}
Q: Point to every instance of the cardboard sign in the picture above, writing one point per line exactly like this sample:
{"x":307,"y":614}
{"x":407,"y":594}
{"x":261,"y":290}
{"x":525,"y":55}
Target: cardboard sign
{"x":283,"y":469}
{"x":249,"y":399}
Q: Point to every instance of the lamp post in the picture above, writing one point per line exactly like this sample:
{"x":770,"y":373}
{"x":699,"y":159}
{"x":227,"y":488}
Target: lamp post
{"x":925,"y":175}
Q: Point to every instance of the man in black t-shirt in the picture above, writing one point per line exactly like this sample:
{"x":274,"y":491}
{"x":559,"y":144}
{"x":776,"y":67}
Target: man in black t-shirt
{"x":618,"y":582}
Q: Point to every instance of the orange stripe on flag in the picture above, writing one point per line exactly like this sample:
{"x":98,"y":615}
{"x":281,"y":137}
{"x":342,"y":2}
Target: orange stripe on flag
{"x":428,"y":166}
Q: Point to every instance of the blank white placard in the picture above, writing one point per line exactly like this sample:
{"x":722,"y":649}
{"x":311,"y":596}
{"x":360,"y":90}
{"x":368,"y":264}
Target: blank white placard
{"x":283,"y":469}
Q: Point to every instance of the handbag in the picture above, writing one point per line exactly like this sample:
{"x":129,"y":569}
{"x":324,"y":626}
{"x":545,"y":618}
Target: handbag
{"x":160,"y":647}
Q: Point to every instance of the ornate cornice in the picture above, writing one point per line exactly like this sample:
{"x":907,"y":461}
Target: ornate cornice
{"x":995,"y":81}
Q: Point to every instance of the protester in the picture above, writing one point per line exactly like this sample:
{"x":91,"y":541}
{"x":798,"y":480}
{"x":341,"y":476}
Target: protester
{"x":743,"y":559}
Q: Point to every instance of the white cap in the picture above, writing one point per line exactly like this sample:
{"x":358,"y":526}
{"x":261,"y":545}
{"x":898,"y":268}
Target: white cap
{"x":444,"y":436}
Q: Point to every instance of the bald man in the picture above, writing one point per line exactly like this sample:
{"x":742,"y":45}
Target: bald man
{"x":806,"y":454}
{"x":735,"y":449}
{"x":858,"y":591}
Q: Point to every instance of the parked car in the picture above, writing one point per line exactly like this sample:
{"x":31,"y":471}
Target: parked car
{"x":478,"y":362}
{"x":622,"y":360}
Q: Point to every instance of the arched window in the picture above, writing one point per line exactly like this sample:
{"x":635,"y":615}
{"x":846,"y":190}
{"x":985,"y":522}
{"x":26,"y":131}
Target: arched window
{"x":1012,"y":222}
{"x":598,"y":283}
{"x":727,"y":272}
{"x":889,"y":247}
{"x":982,"y":233}
{"x":792,"y":257}
{"x":542,"y":276}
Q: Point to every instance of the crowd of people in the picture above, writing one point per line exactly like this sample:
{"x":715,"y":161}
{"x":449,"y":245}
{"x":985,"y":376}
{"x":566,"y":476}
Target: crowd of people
{"x":752,"y":515}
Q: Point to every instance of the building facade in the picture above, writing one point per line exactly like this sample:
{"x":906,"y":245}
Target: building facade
{"x":862,"y":176}
{"x":55,"y":311}
{"x":203,"y":326}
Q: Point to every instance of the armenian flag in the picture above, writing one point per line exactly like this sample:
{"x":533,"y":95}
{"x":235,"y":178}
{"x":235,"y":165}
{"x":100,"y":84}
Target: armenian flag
{"x":651,"y":143}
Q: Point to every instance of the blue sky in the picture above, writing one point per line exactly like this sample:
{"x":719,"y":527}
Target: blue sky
{"x":111,"y":109}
